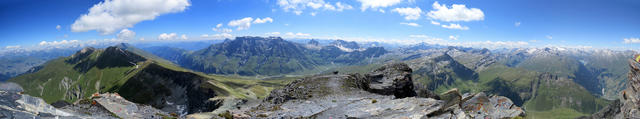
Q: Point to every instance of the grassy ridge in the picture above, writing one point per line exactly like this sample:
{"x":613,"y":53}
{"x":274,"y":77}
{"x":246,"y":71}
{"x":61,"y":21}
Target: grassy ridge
{"x":61,"y":79}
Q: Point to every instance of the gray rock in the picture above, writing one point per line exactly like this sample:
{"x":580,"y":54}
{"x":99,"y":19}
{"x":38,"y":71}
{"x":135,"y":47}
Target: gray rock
{"x":374,"y":95}
{"x":392,"y":79}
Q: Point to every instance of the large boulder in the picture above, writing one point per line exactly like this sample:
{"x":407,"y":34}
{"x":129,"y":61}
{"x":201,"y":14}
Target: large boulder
{"x":391,"y":79}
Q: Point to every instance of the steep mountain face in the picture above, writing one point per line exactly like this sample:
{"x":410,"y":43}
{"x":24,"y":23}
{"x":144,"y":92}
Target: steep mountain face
{"x":516,"y":75}
{"x":627,"y":105}
{"x":250,"y":56}
{"x":553,"y":91}
{"x":345,"y":45}
{"x":138,"y":78}
{"x":439,"y":70}
{"x":475,"y":59}
{"x":599,"y":71}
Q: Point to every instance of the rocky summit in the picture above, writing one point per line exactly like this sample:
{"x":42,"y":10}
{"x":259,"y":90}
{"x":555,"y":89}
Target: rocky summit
{"x":386,"y":92}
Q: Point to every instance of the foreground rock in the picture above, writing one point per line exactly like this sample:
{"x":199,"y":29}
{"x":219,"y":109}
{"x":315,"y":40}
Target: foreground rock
{"x":387,"y":92}
{"x":15,"y":105}
{"x":628,"y":105}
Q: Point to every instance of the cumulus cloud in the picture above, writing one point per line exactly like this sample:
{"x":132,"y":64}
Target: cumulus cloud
{"x":455,"y":26}
{"x":264,"y":20}
{"x":409,"y":13}
{"x":245,"y":23}
{"x":58,"y":27}
{"x":516,"y":24}
{"x":172,"y":36}
{"x":411,"y":24}
{"x":549,"y":37}
{"x":298,"y":6}
{"x":631,"y":40}
{"x":219,"y":28}
{"x":241,"y":24}
{"x":374,"y":4}
{"x":57,"y":43}
{"x":165,"y":36}
{"x":126,"y":34}
{"x":457,"y":12}
{"x":112,"y":15}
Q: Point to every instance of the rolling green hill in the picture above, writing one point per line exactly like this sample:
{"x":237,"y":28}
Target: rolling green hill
{"x":138,"y":78}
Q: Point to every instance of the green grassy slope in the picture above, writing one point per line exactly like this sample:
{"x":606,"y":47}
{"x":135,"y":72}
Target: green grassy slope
{"x":72,"y":78}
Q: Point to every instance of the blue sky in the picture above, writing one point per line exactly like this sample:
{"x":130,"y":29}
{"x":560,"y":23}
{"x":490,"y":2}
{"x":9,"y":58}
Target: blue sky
{"x":476,"y":23}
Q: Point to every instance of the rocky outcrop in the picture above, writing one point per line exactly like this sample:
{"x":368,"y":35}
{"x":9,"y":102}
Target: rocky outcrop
{"x":386,"y":92}
{"x":15,"y":105}
{"x":125,"y":109}
{"x":628,"y":105}
{"x":391,"y":79}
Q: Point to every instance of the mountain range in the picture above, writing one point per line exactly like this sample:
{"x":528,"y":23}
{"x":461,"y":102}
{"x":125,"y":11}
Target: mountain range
{"x":543,"y":81}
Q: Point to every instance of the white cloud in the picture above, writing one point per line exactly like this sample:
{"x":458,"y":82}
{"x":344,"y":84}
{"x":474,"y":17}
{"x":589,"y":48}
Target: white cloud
{"x":58,"y":43}
{"x":312,"y":13}
{"x":374,"y":4}
{"x":165,"y":36}
{"x":112,"y":15}
{"x":241,"y":24}
{"x":455,"y":26}
{"x":631,"y":40}
{"x":549,"y":37}
{"x":58,"y":27}
{"x":340,"y":6}
{"x":273,"y":34}
{"x":12,"y":47}
{"x":219,"y":28}
{"x":172,"y":36}
{"x":409,"y":13}
{"x":292,"y":35}
{"x":302,"y":34}
{"x":184,"y":37}
{"x":381,"y":11}
{"x":425,"y":37}
{"x":410,"y":24}
{"x":245,"y":23}
{"x":517,"y":24}
{"x":453,"y":37}
{"x":457,"y":12}
{"x":126,"y":34}
{"x":298,"y":6}
{"x":217,"y":36}
{"x":264,"y":20}
{"x":435,"y":23}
